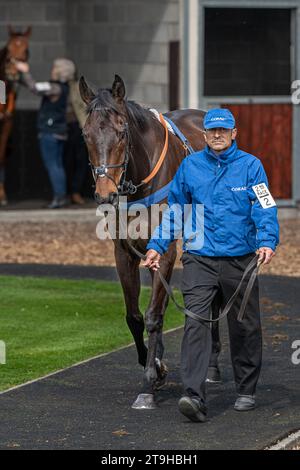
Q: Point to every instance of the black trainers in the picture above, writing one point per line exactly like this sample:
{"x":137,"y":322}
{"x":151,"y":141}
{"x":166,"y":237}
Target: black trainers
{"x":244,"y":403}
{"x":192,"y":409}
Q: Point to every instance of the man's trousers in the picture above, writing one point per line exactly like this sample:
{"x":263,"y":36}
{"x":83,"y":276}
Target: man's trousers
{"x":203,"y":278}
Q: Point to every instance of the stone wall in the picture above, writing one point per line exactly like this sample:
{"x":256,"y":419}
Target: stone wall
{"x":103,"y":37}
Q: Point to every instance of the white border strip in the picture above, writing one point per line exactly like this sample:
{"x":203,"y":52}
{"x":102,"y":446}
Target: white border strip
{"x":286,"y":444}
{"x":85,"y":361}
{"x":193,"y":52}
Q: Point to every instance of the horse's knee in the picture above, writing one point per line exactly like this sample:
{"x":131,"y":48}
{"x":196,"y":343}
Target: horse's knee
{"x":135,"y":318}
{"x":153,"y":322}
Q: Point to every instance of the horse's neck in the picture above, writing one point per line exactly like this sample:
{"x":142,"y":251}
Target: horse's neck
{"x":144,"y":151}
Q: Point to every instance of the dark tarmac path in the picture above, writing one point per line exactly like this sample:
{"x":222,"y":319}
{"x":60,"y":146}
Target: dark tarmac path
{"x":88,"y":406}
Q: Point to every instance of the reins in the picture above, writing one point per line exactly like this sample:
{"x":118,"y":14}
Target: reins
{"x":127,"y":187}
{"x":254,"y":265}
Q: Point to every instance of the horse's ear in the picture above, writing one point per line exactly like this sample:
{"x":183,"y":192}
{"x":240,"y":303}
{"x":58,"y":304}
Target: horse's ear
{"x":118,"y":89}
{"x":28,"y":32}
{"x":86,"y":92}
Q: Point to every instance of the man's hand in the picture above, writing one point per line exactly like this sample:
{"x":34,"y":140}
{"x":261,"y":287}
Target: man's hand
{"x":21,"y":66}
{"x":265,"y":254}
{"x":152,"y":260}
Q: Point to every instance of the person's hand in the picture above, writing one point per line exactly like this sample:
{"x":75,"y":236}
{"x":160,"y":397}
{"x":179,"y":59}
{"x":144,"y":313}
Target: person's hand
{"x":21,"y":66}
{"x":152,"y":260}
{"x":265,"y":255}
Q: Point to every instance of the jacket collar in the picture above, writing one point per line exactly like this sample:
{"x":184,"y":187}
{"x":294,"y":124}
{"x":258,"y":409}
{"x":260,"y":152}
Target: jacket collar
{"x":227,"y":156}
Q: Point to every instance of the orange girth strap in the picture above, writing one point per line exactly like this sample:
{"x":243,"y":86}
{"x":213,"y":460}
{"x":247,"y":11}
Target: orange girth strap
{"x":163,"y":153}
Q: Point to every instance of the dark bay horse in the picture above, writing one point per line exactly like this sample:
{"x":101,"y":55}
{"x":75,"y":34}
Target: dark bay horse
{"x":15,"y":49}
{"x":125,"y":140}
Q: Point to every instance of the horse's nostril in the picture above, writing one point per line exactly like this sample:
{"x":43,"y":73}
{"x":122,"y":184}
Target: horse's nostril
{"x":112,"y":198}
{"x":97,"y":197}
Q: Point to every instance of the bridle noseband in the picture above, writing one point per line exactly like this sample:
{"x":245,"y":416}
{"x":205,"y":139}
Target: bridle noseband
{"x":124,"y":187}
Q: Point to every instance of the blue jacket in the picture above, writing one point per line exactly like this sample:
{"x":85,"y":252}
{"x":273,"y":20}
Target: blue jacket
{"x":235,"y":221}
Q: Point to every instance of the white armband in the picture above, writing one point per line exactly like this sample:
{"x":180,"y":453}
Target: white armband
{"x":263,"y":195}
{"x":42,"y":86}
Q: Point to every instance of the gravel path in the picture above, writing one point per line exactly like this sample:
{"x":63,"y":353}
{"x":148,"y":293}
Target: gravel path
{"x":74,"y":242}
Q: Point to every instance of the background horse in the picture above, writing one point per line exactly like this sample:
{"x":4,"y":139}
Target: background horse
{"x":124,"y":141}
{"x":16,"y":48}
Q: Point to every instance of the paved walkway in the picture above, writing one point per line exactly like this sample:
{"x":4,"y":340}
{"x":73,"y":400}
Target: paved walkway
{"x":88,"y":406}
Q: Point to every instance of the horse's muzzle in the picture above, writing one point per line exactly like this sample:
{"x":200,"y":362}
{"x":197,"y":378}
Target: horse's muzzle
{"x":111,"y":199}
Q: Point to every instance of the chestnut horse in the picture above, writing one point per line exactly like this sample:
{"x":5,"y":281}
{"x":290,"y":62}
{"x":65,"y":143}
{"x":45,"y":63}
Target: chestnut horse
{"x":125,"y":141}
{"x":15,"y":49}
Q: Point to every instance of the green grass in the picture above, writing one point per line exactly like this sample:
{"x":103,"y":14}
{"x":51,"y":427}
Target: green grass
{"x":49,"y":324}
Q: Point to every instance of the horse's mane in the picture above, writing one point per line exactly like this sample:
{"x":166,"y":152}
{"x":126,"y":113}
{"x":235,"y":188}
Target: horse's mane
{"x":104,"y":103}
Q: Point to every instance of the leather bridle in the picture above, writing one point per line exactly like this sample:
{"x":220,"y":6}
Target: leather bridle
{"x":125,"y":187}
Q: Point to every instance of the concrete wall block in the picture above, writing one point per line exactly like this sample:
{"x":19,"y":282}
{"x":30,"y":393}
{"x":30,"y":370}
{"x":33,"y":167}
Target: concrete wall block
{"x":57,"y":11}
{"x":84,"y":12}
{"x":4,"y":14}
{"x":158,"y":53}
{"x":52,"y":51}
{"x":118,"y":13}
{"x":101,"y":14}
{"x":132,"y":53}
{"x":80,"y":52}
{"x":91,"y":33}
{"x":135,"y":92}
{"x":101,"y":52}
{"x":47,"y":33}
{"x":36,"y":52}
{"x":26,"y":11}
{"x":154,"y":73}
{"x":166,"y":32}
{"x":41,"y":70}
{"x":153,"y":93}
{"x":171,"y":13}
{"x":143,"y":33}
{"x":144,"y":13}
{"x":138,"y":53}
{"x":165,"y":93}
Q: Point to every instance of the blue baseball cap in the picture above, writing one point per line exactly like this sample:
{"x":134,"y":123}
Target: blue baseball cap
{"x":219,"y":117}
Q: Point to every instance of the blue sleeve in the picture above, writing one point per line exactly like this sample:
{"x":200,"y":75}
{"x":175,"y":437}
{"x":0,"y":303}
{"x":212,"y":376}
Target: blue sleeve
{"x":265,"y":219}
{"x":172,"y":220}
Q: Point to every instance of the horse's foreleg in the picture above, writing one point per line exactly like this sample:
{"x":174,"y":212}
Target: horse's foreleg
{"x":128,"y":270}
{"x":155,"y":370}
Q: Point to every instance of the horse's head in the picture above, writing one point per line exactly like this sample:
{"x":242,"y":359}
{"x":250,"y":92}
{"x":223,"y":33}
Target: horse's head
{"x":17,"y":49}
{"x":106,"y":136}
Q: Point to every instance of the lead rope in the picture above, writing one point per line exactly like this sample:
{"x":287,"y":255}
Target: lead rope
{"x":253,"y":265}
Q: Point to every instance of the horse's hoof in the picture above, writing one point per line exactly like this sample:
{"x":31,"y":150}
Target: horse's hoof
{"x":159,"y":383}
{"x":145,"y":401}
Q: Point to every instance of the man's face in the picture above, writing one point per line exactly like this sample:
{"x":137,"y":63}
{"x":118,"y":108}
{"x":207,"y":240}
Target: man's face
{"x":219,"y":139}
